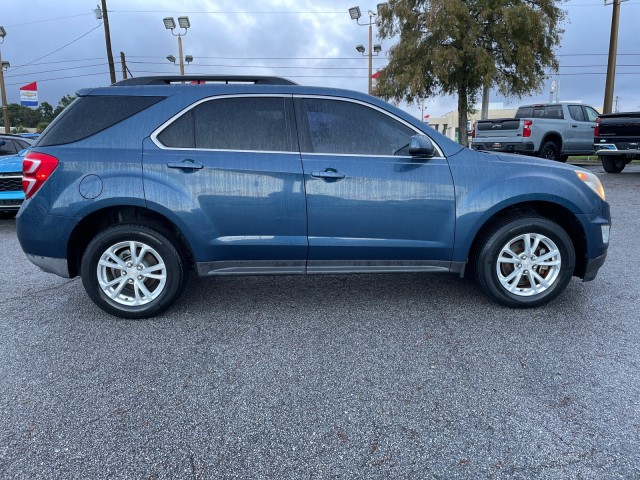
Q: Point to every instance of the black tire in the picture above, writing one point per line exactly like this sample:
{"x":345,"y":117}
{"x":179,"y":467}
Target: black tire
{"x":8,"y":215}
{"x":564,"y":158}
{"x":613,"y":164}
{"x":160,"y":271}
{"x":491,"y":274}
{"x":550,"y":151}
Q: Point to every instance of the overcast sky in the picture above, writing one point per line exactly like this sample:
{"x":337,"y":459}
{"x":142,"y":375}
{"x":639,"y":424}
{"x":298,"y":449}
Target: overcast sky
{"x":61,"y":45}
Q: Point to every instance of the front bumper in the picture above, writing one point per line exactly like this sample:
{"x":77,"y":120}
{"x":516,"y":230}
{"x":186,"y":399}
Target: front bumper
{"x":593,"y":265}
{"x":506,"y":147}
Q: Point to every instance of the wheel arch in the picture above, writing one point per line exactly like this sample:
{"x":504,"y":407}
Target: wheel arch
{"x":98,"y":220}
{"x":549,"y":210}
{"x":554,"y":137}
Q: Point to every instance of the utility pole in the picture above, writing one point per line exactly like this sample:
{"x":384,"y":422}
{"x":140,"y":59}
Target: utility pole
{"x":613,"y":52}
{"x":5,"y":106}
{"x":484,"y":113}
{"x":107,"y":36}
{"x":123,"y":61}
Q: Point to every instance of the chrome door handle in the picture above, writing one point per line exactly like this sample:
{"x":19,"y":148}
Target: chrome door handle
{"x":186,"y":164}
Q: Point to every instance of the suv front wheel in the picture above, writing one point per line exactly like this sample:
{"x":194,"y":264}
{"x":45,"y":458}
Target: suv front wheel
{"x":132,"y":271}
{"x":525,"y":261}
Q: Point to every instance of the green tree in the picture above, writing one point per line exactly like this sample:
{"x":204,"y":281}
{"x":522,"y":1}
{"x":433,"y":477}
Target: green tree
{"x":46,"y":112}
{"x":63,"y":103}
{"x":454,"y":47}
{"x":22,"y":116}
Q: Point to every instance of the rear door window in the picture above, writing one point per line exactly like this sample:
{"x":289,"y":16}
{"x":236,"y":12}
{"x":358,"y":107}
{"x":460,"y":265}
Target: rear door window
{"x":576,"y":113}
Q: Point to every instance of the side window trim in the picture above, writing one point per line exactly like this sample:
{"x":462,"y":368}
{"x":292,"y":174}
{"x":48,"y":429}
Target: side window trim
{"x":305,"y":135}
{"x":289,"y":122}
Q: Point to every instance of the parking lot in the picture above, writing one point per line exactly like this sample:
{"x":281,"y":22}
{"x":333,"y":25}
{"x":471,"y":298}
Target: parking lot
{"x":402,"y":375}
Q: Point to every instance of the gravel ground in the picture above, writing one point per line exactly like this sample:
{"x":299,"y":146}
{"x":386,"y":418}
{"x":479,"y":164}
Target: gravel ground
{"x":403,"y":376}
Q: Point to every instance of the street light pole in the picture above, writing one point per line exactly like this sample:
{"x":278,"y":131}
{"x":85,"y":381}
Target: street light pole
{"x":181,"y":57}
{"x":355,"y":14}
{"x":3,"y":92}
{"x":370,"y":52}
{"x":170,"y":24}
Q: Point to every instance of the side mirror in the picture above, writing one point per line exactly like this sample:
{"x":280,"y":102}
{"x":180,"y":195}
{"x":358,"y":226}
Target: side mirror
{"x":421,"y":147}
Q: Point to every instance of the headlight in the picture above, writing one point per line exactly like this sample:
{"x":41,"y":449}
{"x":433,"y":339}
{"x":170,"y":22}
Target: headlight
{"x":592,"y":181}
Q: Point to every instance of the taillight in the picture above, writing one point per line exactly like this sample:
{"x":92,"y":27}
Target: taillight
{"x":596,"y":132}
{"x":526,"y":130}
{"x":36,"y":169}
{"x":473,"y":131}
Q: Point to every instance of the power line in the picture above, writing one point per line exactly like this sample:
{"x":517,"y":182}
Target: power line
{"x":269,"y":58}
{"x":235,"y":12}
{"x":307,"y":67}
{"x":58,"y":49}
{"x":50,"y":20}
{"x":106,"y":73}
{"x":56,"y":70}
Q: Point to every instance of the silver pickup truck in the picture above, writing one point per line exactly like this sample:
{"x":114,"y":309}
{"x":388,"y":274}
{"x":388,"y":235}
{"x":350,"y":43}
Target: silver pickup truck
{"x":553,"y":131}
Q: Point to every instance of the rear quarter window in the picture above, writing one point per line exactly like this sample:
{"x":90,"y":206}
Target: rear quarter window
{"x":87,"y":116}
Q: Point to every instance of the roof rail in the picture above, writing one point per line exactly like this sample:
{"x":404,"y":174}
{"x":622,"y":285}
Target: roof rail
{"x":180,"y":79}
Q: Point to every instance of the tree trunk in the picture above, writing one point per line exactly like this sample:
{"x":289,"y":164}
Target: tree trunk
{"x":463,"y":109}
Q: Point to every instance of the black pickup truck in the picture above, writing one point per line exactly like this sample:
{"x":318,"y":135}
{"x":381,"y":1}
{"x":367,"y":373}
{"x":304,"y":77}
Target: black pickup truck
{"x":617,"y":140}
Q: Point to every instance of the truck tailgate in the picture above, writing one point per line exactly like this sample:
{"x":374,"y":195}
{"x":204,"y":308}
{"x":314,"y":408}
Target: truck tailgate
{"x":620,"y":126}
{"x":498,"y":127}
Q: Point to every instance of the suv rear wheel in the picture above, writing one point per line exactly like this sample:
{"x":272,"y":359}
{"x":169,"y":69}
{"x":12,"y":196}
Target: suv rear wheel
{"x":132,"y":271}
{"x":525,"y":261}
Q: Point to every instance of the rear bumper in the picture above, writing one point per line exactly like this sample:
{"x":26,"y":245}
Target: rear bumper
{"x":611,"y":150}
{"x":506,"y":147}
{"x":58,"y":266}
{"x":49,"y":252}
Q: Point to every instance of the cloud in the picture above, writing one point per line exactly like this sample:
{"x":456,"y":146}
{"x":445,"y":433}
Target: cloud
{"x":313,"y":44}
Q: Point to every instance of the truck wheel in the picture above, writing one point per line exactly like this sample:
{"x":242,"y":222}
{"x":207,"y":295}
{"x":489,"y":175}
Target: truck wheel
{"x":612,"y":164}
{"x":132,"y":271}
{"x":525,"y":261}
{"x":550,"y":151}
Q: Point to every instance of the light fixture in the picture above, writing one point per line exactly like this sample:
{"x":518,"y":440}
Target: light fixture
{"x":5,"y":65}
{"x":188,"y":58}
{"x":355,"y":13}
{"x":169,"y":23}
{"x":377,"y":48}
{"x":183,"y":22}
{"x":3,"y":32}
{"x":360,"y":48}
{"x":98,"y":12}
{"x":171,"y":58}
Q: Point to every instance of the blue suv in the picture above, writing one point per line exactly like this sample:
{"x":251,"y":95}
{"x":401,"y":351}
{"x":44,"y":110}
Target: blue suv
{"x":137,"y":184}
